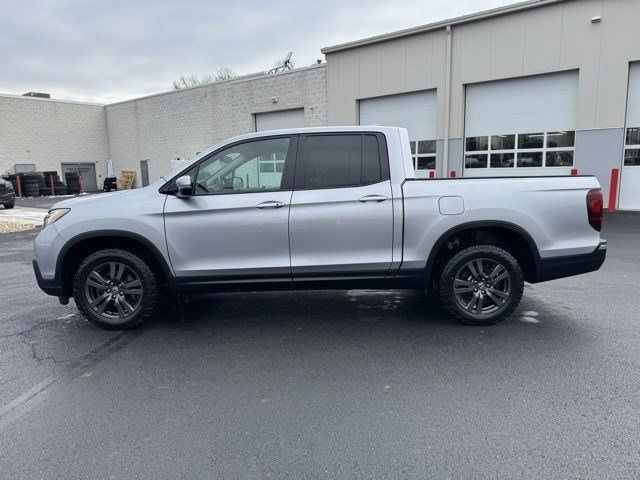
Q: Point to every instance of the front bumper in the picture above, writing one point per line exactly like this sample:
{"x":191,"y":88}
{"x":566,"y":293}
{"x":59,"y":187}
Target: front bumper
{"x":552,"y":268}
{"x":50,"y":287}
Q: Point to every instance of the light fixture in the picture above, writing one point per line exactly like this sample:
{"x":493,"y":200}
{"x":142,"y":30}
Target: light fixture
{"x":274,"y":99}
{"x":596,"y":19}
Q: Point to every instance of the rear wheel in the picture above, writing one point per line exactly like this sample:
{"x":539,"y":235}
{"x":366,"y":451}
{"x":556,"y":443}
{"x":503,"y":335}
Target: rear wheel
{"x":115,"y":289}
{"x":9,"y":205}
{"x":481,"y":285}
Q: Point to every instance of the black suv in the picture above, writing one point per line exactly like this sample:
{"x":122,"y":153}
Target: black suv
{"x":7,"y":195}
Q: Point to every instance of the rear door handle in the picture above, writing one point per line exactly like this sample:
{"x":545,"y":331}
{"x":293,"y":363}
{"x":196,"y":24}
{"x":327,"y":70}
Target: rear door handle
{"x":373,"y":198}
{"x":264,"y":205}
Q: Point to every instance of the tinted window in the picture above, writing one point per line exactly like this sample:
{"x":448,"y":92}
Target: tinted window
{"x":247,"y":167}
{"x":370,"y":159}
{"x":333,"y":161}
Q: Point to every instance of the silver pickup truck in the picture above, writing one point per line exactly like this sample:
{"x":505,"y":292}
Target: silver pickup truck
{"x":318,"y":208}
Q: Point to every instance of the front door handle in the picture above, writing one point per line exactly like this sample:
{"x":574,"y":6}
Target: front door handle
{"x":264,"y":205}
{"x":373,"y":198}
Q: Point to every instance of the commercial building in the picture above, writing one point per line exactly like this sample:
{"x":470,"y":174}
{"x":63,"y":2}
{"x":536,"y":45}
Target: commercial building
{"x":543,"y":87}
{"x":536,"y":88}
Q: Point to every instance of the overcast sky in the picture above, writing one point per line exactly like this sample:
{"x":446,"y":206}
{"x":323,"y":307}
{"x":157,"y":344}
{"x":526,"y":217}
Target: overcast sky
{"x":106,"y":51}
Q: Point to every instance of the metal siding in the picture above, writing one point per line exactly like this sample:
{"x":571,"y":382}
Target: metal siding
{"x":394,"y":58}
{"x":370,"y":71}
{"x":280,"y":120}
{"x":526,"y":105}
{"x":507,"y":45}
{"x":543,"y":29}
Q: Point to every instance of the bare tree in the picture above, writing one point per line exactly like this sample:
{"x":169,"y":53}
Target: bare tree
{"x":188,"y":81}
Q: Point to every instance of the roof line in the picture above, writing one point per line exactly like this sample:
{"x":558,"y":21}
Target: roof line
{"x":472,"y":17}
{"x":57,"y":100}
{"x":240,"y":79}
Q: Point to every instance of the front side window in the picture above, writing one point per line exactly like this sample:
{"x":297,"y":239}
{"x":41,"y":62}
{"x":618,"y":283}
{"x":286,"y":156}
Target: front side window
{"x":247,"y":167}
{"x":343,"y":160}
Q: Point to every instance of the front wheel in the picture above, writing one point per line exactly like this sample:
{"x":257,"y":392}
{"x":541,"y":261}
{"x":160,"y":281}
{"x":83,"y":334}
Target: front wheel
{"x":115,"y":289}
{"x":481,"y":285}
{"x":9,"y":205}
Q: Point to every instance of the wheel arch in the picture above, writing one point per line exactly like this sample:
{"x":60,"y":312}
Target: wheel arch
{"x":527,"y":257}
{"x":78,"y":247}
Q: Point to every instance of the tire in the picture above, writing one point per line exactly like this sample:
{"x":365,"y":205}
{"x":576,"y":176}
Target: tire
{"x":9,"y":206}
{"x":135,"y":309}
{"x":476,"y":298}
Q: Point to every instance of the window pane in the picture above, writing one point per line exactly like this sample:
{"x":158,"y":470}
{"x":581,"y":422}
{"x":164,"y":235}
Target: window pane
{"x":560,"y":139}
{"x":333,"y":161}
{"x":559,"y":159}
{"x":370,"y":159}
{"x":476,"y":144}
{"x":633,"y":136}
{"x":243,"y":167}
{"x":531,"y":140}
{"x":426,"y":163}
{"x":503,"y":142}
{"x":279,"y":166}
{"x":427,"y":146}
{"x":413,"y":147}
{"x":530,"y":159}
{"x":475,"y":161}
{"x":501,"y":160}
{"x":632,"y":158}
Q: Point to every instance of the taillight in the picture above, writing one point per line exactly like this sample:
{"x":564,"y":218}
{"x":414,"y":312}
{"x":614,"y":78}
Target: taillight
{"x":594,"y":208}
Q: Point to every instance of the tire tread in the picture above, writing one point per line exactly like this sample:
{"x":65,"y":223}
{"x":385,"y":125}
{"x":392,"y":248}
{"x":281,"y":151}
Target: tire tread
{"x":447,"y":298}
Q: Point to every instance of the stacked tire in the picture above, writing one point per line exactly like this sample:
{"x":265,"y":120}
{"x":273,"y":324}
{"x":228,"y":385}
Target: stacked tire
{"x":31,"y":184}
{"x":60,"y":189}
{"x":73,"y":182}
{"x":50,"y":177}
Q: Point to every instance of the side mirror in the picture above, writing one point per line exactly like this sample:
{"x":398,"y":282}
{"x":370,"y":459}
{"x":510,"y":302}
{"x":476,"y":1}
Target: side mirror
{"x":185,"y":189}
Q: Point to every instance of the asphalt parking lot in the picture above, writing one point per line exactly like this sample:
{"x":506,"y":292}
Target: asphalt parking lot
{"x":354,"y":384}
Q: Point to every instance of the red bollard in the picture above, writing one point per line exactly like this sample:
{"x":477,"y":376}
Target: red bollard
{"x":19,"y":184}
{"x":53,"y":190}
{"x":453,"y":174}
{"x":613,"y":189}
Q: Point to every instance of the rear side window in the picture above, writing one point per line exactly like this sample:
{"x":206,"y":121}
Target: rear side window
{"x":334,"y":161}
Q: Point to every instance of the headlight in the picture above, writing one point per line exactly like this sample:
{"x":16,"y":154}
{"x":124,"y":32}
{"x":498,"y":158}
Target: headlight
{"x":54,"y":215}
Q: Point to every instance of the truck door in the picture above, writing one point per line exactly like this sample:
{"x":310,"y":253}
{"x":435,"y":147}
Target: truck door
{"x":341,"y":217}
{"x":235,"y":226}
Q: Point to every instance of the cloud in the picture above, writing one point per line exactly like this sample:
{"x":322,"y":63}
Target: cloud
{"x":106,"y":51}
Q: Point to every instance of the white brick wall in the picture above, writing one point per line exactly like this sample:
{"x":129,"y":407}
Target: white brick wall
{"x":157,"y":128}
{"x":172,"y":125}
{"x":50,"y":132}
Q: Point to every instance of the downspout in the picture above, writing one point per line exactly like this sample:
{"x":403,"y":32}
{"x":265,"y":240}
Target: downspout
{"x":447,"y":106}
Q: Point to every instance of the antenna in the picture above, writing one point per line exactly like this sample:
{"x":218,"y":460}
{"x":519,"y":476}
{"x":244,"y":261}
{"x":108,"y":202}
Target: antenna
{"x":286,"y":64}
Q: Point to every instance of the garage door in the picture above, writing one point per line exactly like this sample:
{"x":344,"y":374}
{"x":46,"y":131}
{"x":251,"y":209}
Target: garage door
{"x":280,"y":120}
{"x":414,"y":111}
{"x":523,"y":126}
{"x":630,"y":180}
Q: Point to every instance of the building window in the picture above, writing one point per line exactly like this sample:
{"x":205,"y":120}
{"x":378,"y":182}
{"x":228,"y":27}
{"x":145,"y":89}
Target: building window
{"x":530,"y":150}
{"x":423,"y":153}
{"x":632,"y":147}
